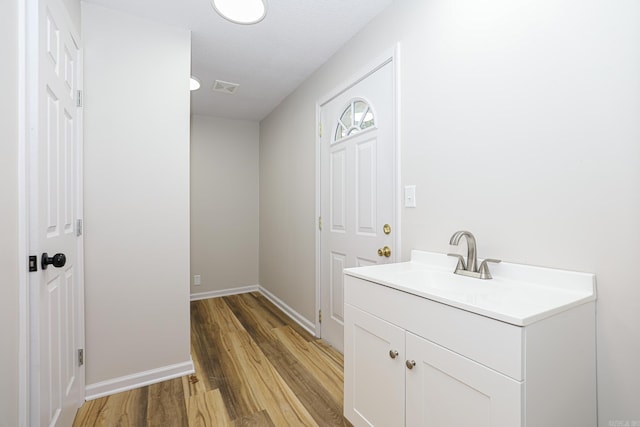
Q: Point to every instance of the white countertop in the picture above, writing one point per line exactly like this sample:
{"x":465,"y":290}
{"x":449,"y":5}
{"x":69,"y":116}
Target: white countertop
{"x":517,"y":294}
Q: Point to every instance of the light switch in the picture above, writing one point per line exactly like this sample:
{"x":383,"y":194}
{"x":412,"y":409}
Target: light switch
{"x":410,"y":196}
{"x":196,"y":279}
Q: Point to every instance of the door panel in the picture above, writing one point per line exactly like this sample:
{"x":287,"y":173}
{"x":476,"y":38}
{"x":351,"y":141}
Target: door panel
{"x":51,"y":150}
{"x":338,"y":191}
{"x":337,"y":265}
{"x":366,"y":187}
{"x":68,"y":153}
{"x":357,"y":166}
{"x":70,"y":325}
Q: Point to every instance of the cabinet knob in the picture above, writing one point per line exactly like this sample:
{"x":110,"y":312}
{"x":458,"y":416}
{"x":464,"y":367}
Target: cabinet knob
{"x":410,"y":364}
{"x":393,"y":354}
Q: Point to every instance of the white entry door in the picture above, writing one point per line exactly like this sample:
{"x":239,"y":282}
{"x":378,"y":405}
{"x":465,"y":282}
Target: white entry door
{"x":357,"y":168}
{"x":56,"y":288}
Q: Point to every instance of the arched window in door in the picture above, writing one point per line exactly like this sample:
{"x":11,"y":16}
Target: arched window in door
{"x":357,"y":116}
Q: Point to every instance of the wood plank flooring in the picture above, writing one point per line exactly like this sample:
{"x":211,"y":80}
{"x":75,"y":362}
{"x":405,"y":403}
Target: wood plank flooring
{"x":254,"y":367}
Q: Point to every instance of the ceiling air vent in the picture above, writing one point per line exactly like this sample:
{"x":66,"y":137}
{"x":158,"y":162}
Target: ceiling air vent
{"x":225,"y":87}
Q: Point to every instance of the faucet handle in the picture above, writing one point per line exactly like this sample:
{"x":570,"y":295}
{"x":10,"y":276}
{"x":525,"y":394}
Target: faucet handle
{"x":461,"y":265}
{"x":484,"y":268}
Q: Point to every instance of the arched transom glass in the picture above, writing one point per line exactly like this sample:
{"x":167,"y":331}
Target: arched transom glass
{"x":357,"y":116}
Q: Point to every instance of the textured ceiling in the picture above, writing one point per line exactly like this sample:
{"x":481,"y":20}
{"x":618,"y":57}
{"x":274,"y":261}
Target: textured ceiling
{"x":269,"y":60}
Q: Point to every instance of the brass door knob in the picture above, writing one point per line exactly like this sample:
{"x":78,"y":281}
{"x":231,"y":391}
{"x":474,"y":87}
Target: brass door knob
{"x":386,"y":251}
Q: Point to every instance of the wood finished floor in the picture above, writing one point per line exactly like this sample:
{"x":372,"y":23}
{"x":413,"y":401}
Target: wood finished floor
{"x":254,"y":367}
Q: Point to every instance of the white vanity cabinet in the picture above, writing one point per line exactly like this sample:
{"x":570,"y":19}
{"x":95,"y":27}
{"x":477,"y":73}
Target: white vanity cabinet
{"x":411,"y":360}
{"x":442,"y":389}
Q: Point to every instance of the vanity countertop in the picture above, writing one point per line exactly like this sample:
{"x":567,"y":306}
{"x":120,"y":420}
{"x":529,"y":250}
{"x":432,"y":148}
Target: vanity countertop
{"x":518,"y":294}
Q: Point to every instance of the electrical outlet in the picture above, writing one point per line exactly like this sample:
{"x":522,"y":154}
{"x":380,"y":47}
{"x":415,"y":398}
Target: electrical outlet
{"x":196,"y":280}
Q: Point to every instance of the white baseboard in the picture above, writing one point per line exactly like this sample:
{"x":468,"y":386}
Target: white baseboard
{"x":294,"y":315}
{"x":139,"y":379}
{"x":224,"y":292}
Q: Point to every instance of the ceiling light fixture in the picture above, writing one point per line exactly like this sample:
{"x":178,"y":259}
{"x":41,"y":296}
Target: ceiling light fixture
{"x":244,"y":12}
{"x":194,"y":83}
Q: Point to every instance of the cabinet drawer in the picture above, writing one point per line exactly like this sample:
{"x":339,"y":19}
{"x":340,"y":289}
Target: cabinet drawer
{"x":495,"y":344}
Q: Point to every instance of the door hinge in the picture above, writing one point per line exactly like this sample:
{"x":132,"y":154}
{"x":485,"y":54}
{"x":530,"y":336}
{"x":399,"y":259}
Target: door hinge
{"x":78,"y":98}
{"x":320,"y":130}
{"x":320,"y":223}
{"x":80,"y":356}
{"x":79,"y":227}
{"x":319,"y":316}
{"x":33,"y":263}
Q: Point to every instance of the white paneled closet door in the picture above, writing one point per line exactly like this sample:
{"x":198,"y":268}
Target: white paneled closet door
{"x":55,"y":204}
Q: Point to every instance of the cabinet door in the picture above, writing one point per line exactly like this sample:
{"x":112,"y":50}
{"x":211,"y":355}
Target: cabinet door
{"x":373,"y":370}
{"x":445,"y":389}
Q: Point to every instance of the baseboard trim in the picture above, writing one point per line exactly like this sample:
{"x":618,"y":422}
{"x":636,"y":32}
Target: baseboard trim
{"x":139,"y":379}
{"x":224,"y":292}
{"x":294,"y":315}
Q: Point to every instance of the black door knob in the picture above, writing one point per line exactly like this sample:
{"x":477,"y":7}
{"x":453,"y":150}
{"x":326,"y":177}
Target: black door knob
{"x":58,"y":260}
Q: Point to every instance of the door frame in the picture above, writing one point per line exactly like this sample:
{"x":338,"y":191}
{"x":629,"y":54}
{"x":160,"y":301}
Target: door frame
{"x":28,"y":61}
{"x":24,"y":354}
{"x":391,"y":55}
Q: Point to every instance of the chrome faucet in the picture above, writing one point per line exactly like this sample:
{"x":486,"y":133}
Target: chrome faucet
{"x":472,"y":259}
{"x":470,"y":268}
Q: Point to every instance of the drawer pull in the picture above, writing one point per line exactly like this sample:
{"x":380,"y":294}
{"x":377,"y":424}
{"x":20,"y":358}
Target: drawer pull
{"x":393,"y":354}
{"x":410,"y":364}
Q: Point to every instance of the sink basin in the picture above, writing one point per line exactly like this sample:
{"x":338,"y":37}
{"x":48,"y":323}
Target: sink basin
{"x":517,"y":294}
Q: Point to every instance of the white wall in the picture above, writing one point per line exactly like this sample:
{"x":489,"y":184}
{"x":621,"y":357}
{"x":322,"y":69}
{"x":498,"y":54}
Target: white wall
{"x":136,"y":195}
{"x":287,"y":202}
{"x":73,"y":8}
{"x":9,"y":214}
{"x":224,"y":203}
{"x":519,"y":123}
